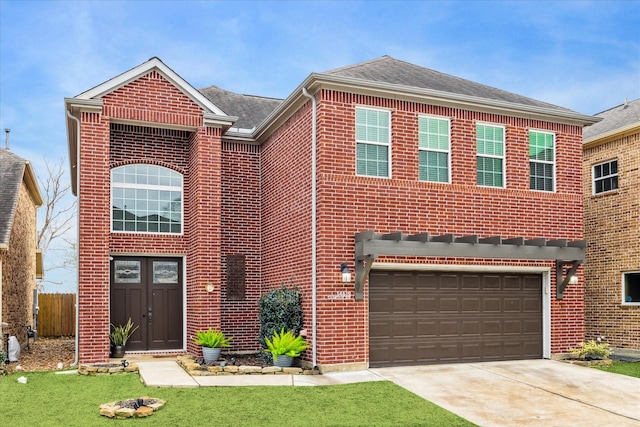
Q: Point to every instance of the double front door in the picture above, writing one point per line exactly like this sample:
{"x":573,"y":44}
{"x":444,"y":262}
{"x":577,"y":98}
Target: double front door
{"x":149,"y":291}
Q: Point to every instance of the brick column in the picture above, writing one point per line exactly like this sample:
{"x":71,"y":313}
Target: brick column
{"x":93,"y":239}
{"x":203,"y":232}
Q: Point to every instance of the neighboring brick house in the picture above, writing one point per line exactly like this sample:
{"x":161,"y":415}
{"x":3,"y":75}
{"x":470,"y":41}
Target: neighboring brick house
{"x":611,"y":171}
{"x":20,"y":259}
{"x":194,"y":203}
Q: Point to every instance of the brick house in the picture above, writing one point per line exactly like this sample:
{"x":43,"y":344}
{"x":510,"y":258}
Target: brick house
{"x":611,"y":171}
{"x":455,"y":206}
{"x":20,"y":259}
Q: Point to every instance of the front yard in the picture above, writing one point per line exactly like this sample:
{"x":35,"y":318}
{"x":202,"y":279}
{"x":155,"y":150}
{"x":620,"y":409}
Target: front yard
{"x":74,"y":400}
{"x":631,"y":369}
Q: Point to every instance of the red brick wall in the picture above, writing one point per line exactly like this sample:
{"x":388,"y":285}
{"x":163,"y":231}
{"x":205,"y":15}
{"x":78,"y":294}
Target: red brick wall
{"x":241,"y":236}
{"x":348,"y":204}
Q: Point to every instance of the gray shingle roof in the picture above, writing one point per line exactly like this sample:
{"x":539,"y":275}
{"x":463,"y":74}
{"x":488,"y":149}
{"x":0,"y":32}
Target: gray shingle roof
{"x":11,"y":174}
{"x":389,"y":70}
{"x":614,"y":118}
{"x":250,"y":110}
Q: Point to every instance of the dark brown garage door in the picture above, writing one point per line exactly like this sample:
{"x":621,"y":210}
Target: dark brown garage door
{"x":447,"y":317}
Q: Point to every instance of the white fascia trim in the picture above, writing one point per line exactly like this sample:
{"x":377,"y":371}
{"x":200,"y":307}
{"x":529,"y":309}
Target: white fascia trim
{"x":142,"y":69}
{"x":216,"y":120}
{"x":544,"y":271}
{"x":87,"y":105}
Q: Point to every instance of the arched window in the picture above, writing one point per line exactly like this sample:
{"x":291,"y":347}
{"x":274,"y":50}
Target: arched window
{"x":146,"y":199}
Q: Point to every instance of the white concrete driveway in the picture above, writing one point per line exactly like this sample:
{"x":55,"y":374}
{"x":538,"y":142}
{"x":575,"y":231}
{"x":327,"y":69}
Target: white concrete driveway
{"x":525,"y":393}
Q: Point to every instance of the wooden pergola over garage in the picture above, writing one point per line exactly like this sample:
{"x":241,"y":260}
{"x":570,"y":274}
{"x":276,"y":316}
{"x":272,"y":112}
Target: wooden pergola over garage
{"x":369,"y":245}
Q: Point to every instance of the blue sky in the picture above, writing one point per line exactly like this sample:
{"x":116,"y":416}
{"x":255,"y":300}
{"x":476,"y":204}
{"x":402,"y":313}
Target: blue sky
{"x":582,"y":55}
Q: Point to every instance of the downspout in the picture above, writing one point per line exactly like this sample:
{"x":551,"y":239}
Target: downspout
{"x":314,"y":226}
{"x":75,"y":361}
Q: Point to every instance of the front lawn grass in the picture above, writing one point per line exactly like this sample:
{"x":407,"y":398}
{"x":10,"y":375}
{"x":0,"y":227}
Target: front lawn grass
{"x":74,"y":400}
{"x":631,"y":369}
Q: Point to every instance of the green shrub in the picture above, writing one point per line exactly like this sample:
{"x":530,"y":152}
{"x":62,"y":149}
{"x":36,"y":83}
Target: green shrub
{"x":285,"y":343}
{"x":280,"y":308}
{"x":212,"y":338}
{"x":591,"y":350}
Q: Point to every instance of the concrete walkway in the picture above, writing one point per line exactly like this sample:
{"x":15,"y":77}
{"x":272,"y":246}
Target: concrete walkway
{"x":525,"y":393}
{"x":168,"y":373}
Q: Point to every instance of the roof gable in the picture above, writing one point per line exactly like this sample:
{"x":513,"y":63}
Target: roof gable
{"x":154,"y":64}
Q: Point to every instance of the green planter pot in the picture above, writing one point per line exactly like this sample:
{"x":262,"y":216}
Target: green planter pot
{"x":211,"y":354}
{"x":283,"y":361}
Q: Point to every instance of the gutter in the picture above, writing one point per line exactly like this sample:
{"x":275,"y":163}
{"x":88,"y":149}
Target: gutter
{"x":77,"y":165}
{"x":314,"y":227}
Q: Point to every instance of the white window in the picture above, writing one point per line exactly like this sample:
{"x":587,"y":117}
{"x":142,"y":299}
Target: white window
{"x":373,"y":142}
{"x":146,"y":199}
{"x":631,"y":288}
{"x":490,"y":155}
{"x":542,"y":158}
{"x":434,"y":149}
{"x":605,"y":177}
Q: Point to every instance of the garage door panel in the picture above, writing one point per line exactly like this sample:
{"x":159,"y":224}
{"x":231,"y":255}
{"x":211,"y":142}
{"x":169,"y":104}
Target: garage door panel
{"x":449,"y":328}
{"x":447,"y":317}
{"x":491,"y":305}
{"x":471,"y":305}
{"x":512,"y":327}
{"x":426,"y":304}
{"x":449,"y":304}
{"x":404,"y":305}
{"x":512,"y":305}
{"x":471,"y":328}
{"x":448,"y":281}
{"x":427,"y":329}
{"x":532,"y":305}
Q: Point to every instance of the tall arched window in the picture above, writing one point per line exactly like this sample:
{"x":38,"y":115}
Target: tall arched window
{"x":146,"y":199}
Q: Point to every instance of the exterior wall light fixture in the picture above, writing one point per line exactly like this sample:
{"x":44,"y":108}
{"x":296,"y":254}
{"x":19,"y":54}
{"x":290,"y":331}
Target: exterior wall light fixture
{"x":346,"y":273}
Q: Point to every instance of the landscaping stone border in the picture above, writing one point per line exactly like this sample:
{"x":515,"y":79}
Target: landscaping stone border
{"x":194,"y":369}
{"x":107,"y":369}
{"x":588,"y":363}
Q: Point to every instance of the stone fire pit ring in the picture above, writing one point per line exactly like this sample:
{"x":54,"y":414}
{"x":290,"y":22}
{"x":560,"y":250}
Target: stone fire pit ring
{"x":132,"y":408}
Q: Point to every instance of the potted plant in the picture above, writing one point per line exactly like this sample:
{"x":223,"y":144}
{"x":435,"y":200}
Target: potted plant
{"x":212,"y":342}
{"x":119,"y":336}
{"x":284,"y":346}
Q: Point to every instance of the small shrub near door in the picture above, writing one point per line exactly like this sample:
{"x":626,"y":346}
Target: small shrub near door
{"x":280,"y":308}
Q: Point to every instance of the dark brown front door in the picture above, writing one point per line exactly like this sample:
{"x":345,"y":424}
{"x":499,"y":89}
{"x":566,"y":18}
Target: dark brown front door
{"x":149,"y":291}
{"x":446,"y":317}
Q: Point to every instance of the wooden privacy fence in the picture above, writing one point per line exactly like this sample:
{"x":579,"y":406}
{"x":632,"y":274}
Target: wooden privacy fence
{"x":56,"y":315}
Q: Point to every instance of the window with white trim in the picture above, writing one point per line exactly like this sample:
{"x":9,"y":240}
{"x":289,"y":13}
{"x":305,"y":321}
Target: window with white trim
{"x":489,"y":155}
{"x":631,"y":287}
{"x":542,"y":159}
{"x":146,"y":199}
{"x":433,"y":145}
{"x":373,"y":142}
{"x":605,"y":177}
